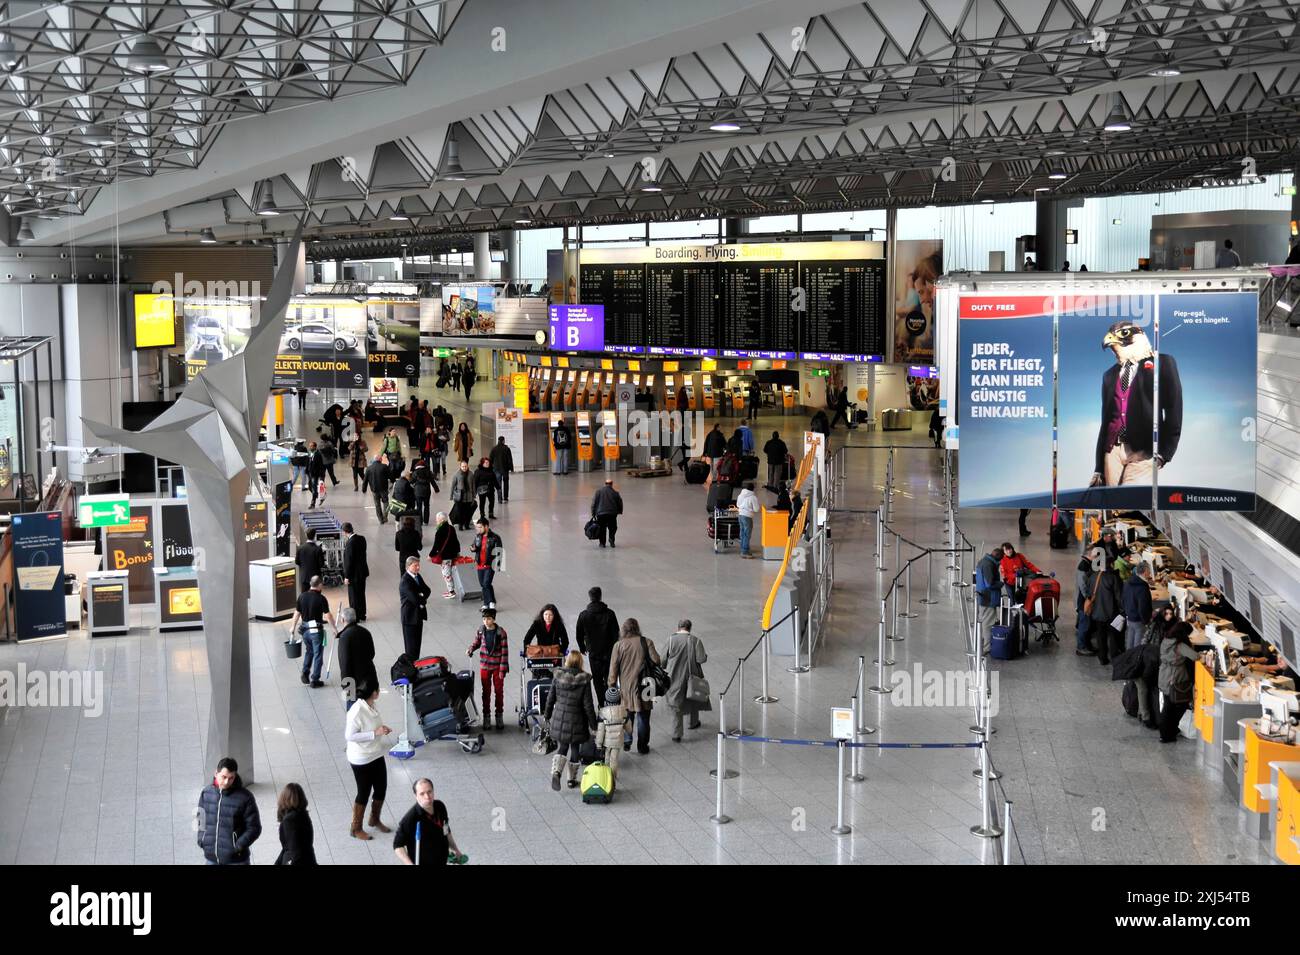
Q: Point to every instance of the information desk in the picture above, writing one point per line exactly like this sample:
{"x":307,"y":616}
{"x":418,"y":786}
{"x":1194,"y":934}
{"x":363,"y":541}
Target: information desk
{"x":272,"y":588}
{"x":108,"y":603}
{"x":176,"y":594}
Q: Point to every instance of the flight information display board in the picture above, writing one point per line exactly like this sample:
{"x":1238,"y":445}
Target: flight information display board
{"x":846,"y":307}
{"x":754,"y":306}
{"x":621,"y":289}
{"x":680,"y":306}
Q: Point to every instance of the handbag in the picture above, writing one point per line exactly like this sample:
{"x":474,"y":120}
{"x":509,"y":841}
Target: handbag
{"x":547,"y":650}
{"x":654,"y":672}
{"x":395,"y":506}
{"x":697,"y":687}
{"x":1087,"y":604}
{"x":591,"y":529}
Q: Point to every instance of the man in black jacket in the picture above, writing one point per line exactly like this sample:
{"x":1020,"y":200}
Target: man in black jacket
{"x":310,"y":561}
{"x":775,"y":451}
{"x":1124,"y":439}
{"x":606,"y":505}
{"x":355,"y":570}
{"x":315,"y":471}
{"x":446,"y":548}
{"x":377,"y":479}
{"x":227,"y":816}
{"x":356,"y":656}
{"x":415,"y":595}
{"x":597,"y":632}
{"x":503,"y":462}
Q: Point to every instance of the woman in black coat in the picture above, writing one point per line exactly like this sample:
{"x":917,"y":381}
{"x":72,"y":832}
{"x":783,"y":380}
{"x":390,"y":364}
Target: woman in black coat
{"x":296,"y":835}
{"x":571,"y":717}
{"x":548,"y":629}
{"x":407,"y":542}
{"x":1107,"y":604}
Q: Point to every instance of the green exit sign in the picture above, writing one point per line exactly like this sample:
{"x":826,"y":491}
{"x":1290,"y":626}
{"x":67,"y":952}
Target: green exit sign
{"x":104,"y":510}
{"x":821,"y":372}
{"x":442,"y":352}
{"x":1288,"y":190}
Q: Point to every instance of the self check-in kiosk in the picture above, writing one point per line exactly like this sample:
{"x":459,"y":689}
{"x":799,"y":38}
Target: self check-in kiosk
{"x":787,"y":399}
{"x":670,"y":392}
{"x":706,"y":389}
{"x":609,"y":437}
{"x":556,"y":418}
{"x":544,"y":390}
{"x":571,"y":391}
{"x":650,"y":389}
{"x":586,"y":443}
{"x":580,"y":392}
{"x":692,"y":395}
{"x":738,"y":397}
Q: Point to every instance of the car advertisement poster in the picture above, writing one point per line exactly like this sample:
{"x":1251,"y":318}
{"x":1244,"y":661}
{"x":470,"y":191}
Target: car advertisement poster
{"x":468,"y":310}
{"x":1005,"y":390}
{"x":1155,"y":396}
{"x":214,"y":331}
{"x":393,"y":338}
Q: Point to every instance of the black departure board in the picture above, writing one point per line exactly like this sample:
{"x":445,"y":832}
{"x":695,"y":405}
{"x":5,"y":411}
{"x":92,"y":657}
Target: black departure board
{"x":754,"y":306}
{"x":621,"y":289}
{"x":680,"y":307}
{"x":845,"y":306}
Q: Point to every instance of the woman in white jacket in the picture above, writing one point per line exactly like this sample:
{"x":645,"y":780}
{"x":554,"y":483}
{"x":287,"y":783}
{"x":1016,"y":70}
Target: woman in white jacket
{"x":366,"y":750}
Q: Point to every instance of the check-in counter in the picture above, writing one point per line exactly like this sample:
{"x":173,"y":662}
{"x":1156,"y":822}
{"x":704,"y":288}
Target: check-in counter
{"x":1256,"y":776}
{"x":1203,"y":703}
{"x":1230,"y":712}
{"x":774,"y":531}
{"x":1286,"y":823}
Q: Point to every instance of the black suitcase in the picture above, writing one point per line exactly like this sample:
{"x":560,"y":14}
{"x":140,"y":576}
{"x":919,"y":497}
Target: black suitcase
{"x":1058,"y":538}
{"x":1129,"y":697}
{"x":697,"y":472}
{"x":430,"y":695}
{"x":749,"y":467}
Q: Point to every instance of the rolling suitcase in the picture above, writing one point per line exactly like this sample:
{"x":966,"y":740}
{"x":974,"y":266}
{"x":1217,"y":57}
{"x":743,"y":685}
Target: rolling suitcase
{"x":697,"y":472}
{"x":597,"y":783}
{"x":1058,"y":538}
{"x":438,"y":724}
{"x":430,"y":695}
{"x":1005,"y":636}
{"x":749,"y":467}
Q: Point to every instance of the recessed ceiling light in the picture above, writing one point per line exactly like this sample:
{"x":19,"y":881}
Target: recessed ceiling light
{"x":1042,"y":188}
{"x":986,"y":200}
{"x":1057,"y":174}
{"x":652,"y":188}
{"x":725,"y":126}
{"x":523,"y":222}
{"x":399,"y":217}
{"x":1166,"y":71}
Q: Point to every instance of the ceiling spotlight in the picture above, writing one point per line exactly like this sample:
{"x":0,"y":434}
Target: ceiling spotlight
{"x":452,"y":169}
{"x":784,"y":194}
{"x":25,"y":231}
{"x":399,"y":216}
{"x":8,"y":53}
{"x":651,"y":187}
{"x":1117,"y":120}
{"x":206,"y":237}
{"x":1166,"y":71}
{"x":1042,"y":189}
{"x":725,"y":126}
{"x":986,"y":201}
{"x":523,"y":222}
{"x":609,"y":155}
{"x":267,"y":206}
{"x":146,"y":56}
{"x":97,"y":134}
{"x":1056,"y":174}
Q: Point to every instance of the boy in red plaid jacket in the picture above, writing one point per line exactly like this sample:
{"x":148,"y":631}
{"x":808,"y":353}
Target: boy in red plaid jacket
{"x":493,"y":662}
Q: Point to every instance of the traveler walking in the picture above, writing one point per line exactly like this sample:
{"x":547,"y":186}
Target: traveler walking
{"x":356,"y":656}
{"x":441,"y":444}
{"x":299,"y":458}
{"x":561,"y":440}
{"x":571,"y":718}
{"x":377,"y":480}
{"x":315,"y":472}
{"x":310,"y":560}
{"x":424,"y":834}
{"x":446,"y":548}
{"x":715,"y":446}
{"x":627,"y":666}
{"x":367,"y":756}
{"x":1107,"y":604}
{"x":414,"y":595}
{"x":408,"y":542}
{"x":329,"y":453}
{"x":503,"y":462}
{"x":842,"y":408}
{"x":755,"y":400}
{"x":468,"y":377}
{"x":609,"y":731}
{"x":296,"y":835}
{"x":464,"y":443}
{"x":747,"y":507}
{"x":548,"y":630}
{"x":424,"y":485}
{"x":493,"y":662}
{"x":486,"y":488}
{"x":357,"y":459}
{"x":606,"y":506}
{"x":487,"y":558}
{"x":356,"y":569}
{"x":229,"y":820}
{"x":1176,"y":660}
{"x":775,"y":451}
{"x":596,"y":631}
{"x":1024,"y":516}
{"x":462,"y":496}
{"x":404,"y":493}
{"x":309,"y":617}
{"x":683,"y":661}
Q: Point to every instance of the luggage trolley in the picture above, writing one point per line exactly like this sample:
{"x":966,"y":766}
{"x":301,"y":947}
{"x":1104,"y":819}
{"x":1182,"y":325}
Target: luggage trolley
{"x":447,"y":699}
{"x":724,"y":528}
{"x":1042,"y":601}
{"x":535,"y":678}
{"x":329,"y":535}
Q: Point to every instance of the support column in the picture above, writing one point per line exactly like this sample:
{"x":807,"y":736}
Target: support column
{"x":482,"y":257}
{"x":299,"y":266}
{"x":510,"y":247}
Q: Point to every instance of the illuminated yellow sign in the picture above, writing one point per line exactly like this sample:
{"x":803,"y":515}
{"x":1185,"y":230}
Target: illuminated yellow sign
{"x":155,"y":321}
{"x":184,"y":600}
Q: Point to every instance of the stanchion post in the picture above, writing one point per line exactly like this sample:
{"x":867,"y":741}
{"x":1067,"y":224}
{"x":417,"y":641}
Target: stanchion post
{"x":880,"y":653}
{"x":981,"y":674}
{"x":986,"y":829}
{"x":741,"y":729}
{"x":719,"y":816}
{"x":1006,"y":832}
{"x":765,"y":696}
{"x":895,"y":636}
{"x":854,"y":775}
{"x":840,"y":829}
{"x":863,"y":729}
{"x":909,"y":613}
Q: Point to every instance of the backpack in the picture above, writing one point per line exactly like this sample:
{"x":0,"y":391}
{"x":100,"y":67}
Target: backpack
{"x":561,"y":437}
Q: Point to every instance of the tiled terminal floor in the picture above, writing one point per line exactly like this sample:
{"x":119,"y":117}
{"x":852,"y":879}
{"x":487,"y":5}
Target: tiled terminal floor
{"x":1089,"y":785}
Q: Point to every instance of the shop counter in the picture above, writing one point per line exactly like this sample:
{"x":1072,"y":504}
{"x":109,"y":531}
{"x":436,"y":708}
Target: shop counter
{"x":1286,"y":822}
{"x":774,"y":531}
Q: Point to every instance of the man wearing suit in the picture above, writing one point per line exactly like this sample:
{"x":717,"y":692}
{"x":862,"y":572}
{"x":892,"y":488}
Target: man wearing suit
{"x":1124,"y":441}
{"x":310,"y":561}
{"x":377,"y":480}
{"x":415,"y":594}
{"x":356,"y":655}
{"x":355,"y":570}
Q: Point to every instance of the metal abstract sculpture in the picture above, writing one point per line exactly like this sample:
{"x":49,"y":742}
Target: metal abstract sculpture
{"x":212,"y":432}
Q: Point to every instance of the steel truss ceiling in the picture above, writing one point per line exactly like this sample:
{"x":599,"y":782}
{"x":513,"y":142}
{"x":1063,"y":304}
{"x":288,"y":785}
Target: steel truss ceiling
{"x":866,"y":106}
{"x":76,"y":112}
